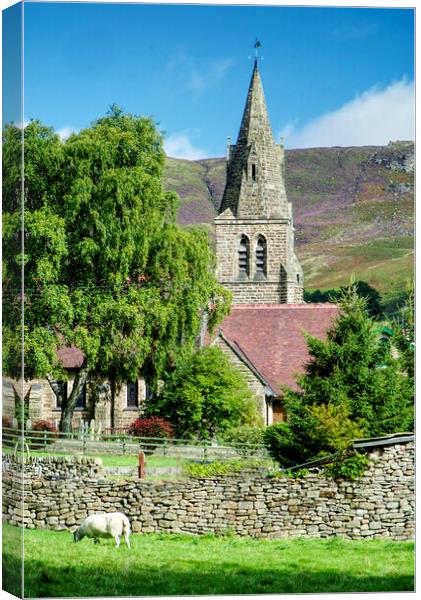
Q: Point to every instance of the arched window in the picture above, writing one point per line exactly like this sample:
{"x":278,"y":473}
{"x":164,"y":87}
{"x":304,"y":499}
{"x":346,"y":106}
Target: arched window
{"x":244,"y":257}
{"x":261,"y":256}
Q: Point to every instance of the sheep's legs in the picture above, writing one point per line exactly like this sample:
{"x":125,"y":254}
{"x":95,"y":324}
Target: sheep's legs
{"x":96,"y":541}
{"x":117,"y":541}
{"x":126,"y":539}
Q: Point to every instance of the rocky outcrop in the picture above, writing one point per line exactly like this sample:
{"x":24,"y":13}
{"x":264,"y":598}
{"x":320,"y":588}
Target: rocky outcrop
{"x":396,"y":156}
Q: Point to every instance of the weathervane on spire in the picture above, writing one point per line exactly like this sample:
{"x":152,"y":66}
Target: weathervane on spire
{"x":257,"y":45}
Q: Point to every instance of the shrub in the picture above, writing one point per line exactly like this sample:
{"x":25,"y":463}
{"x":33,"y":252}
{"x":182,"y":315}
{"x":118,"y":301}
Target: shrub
{"x":206,"y":395}
{"x":43,"y":425}
{"x":217,"y":467}
{"x":44,"y":430}
{"x":284,"y":447}
{"x":154,"y":427}
{"x":298,"y":474}
{"x":244,"y":434}
{"x":247,"y":435}
{"x":347,"y":467}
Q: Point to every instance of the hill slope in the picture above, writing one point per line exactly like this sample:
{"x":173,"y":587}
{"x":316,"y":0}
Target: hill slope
{"x":353,"y":210}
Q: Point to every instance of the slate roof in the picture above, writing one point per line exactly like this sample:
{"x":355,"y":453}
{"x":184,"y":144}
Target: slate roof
{"x":270,"y":336}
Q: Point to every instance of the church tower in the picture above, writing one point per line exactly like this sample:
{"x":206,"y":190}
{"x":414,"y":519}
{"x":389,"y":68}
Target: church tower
{"x":254,"y":228}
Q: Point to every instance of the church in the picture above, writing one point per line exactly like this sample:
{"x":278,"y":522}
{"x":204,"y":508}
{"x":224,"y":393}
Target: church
{"x":263,"y":334}
{"x":256,"y":261}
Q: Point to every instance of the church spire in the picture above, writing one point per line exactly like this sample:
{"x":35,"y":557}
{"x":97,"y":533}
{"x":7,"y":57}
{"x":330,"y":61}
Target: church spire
{"x":255,"y":121}
{"x":255,"y":187}
{"x":254,"y":229}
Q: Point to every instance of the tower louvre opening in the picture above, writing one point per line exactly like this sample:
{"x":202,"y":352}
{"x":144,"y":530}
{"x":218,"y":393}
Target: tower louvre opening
{"x":261,"y":256}
{"x":244,"y":257}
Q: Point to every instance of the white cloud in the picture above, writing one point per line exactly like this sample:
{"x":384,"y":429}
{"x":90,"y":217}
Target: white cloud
{"x":66,"y":132}
{"x":287,"y":130}
{"x":202,"y":79}
{"x":355,"y":32}
{"x":198,"y":76}
{"x":374,"y":118}
{"x":180,"y":146}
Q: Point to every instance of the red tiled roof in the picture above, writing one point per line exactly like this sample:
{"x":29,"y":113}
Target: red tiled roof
{"x":271,"y":336}
{"x":71,"y":357}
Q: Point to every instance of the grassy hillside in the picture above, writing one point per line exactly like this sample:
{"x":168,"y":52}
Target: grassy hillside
{"x":353,"y":210}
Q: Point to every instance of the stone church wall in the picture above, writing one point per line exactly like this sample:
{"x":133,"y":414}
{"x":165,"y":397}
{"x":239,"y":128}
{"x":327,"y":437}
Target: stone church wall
{"x":43,"y":404}
{"x":253,"y":382}
{"x":277,"y":287}
{"x":380,"y":504}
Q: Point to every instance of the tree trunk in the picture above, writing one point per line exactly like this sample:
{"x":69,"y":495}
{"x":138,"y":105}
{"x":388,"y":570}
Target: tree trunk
{"x":57,"y":391}
{"x":68,"y":406}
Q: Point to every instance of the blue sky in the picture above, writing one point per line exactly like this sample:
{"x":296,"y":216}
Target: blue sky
{"x":332,"y":76}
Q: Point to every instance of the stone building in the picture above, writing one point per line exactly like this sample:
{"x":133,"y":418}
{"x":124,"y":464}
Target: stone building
{"x":42,"y":403}
{"x":266,"y":343}
{"x":263,"y":335}
{"x":254,"y":229}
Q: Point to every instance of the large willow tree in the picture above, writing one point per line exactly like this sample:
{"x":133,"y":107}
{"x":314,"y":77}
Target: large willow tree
{"x":106,"y":267}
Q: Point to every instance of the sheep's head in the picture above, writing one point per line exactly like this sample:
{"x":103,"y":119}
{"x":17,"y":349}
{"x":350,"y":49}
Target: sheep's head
{"x":76,"y":536}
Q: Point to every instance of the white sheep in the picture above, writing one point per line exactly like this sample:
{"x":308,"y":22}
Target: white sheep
{"x":98,"y":525}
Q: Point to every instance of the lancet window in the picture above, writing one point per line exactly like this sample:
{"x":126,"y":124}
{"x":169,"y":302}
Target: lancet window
{"x":261,"y":256}
{"x":244,"y":256}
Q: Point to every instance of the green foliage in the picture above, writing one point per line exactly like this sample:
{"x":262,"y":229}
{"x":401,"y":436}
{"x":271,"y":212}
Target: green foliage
{"x":21,"y":412}
{"x":42,"y":166}
{"x":106,"y":267}
{"x":403,"y":333}
{"x":352,"y":387}
{"x":365,"y":290}
{"x":206,"y":395}
{"x":298,"y":474}
{"x":283,"y":446}
{"x":347,"y":467}
{"x":244,"y":434}
{"x":216,"y":468}
{"x":334,"y":427}
{"x":21,"y":408}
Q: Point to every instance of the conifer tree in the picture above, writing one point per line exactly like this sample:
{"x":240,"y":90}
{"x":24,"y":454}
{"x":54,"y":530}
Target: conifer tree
{"x":352,"y":387}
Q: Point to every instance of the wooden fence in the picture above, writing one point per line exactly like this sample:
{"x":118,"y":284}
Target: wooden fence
{"x":85,"y":442}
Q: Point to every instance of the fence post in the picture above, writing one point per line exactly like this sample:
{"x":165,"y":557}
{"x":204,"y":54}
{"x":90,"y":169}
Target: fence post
{"x":83,"y":443}
{"x":141,"y":465}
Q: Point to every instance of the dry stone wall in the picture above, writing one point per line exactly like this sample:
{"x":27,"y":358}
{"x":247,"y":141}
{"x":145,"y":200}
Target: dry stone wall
{"x":378,"y":504}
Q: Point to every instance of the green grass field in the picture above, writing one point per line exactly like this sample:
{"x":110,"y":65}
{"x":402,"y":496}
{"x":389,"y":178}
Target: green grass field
{"x":185,"y":565}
